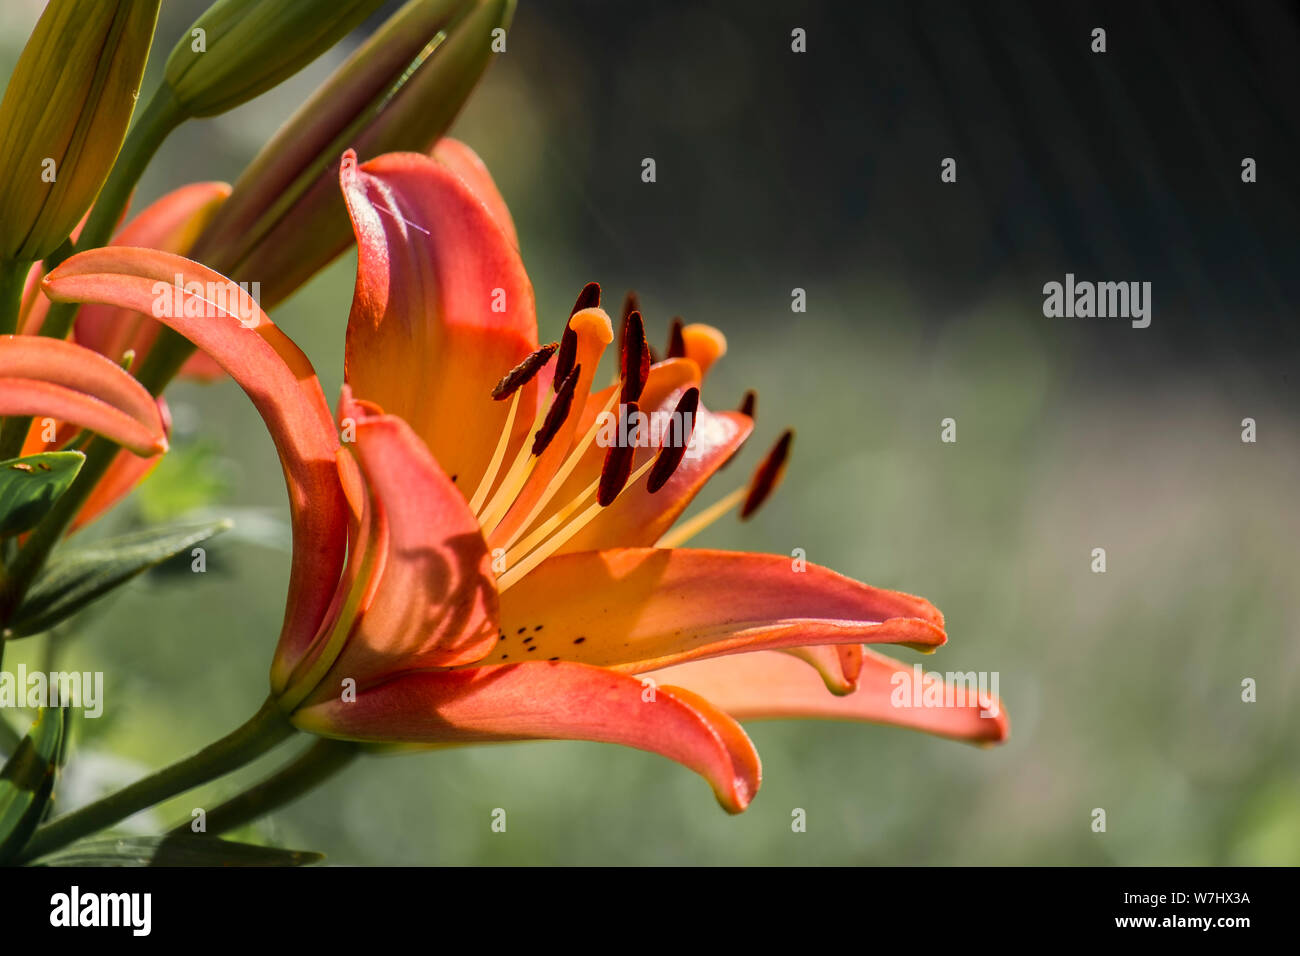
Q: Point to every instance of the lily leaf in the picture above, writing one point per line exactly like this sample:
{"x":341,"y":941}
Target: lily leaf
{"x":30,"y":486}
{"x":75,"y":577}
{"x":27,"y":781}
{"x":185,"y":850}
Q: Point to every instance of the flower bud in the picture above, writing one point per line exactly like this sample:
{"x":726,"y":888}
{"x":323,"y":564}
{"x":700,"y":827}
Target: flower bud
{"x":239,"y":49}
{"x":64,"y":116}
{"x":399,"y":91}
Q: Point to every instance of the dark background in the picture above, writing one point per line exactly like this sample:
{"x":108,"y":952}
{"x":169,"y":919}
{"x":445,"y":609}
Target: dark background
{"x":1122,"y":165}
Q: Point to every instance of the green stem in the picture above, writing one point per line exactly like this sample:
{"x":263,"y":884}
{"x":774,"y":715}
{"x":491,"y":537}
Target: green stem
{"x":9,"y":738}
{"x":267,"y":728}
{"x":310,"y":769}
{"x":159,"y":117}
{"x":13,"y":277}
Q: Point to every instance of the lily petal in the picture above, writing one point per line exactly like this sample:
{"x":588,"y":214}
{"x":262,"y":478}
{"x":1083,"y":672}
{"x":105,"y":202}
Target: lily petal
{"x":465,"y":163}
{"x":549,"y":700}
{"x":639,"y":609}
{"x":442,"y":309}
{"x":26,"y":396}
{"x":840,"y":665}
{"x":282,"y":385}
{"x":766,"y":685}
{"x":66,"y":382}
{"x":431,"y":600}
{"x":171,"y":224}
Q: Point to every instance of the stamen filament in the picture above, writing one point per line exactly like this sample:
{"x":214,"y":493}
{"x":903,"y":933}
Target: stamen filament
{"x":561,"y":476}
{"x":516,"y":475}
{"x":676,"y":537}
{"x":498,"y":455}
{"x":515,"y":571}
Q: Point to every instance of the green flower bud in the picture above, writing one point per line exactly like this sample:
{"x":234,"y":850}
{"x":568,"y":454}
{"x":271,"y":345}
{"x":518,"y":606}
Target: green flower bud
{"x":239,"y":49}
{"x":64,"y":116}
{"x":400,"y":90}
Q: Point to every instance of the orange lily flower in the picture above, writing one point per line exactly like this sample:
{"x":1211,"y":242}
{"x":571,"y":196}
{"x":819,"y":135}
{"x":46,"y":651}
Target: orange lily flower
{"x":468,"y":569}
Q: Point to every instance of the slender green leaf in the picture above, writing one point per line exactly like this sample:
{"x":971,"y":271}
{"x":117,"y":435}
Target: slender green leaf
{"x":186,"y":850}
{"x":30,"y":486}
{"x":75,"y":577}
{"x":27,"y":781}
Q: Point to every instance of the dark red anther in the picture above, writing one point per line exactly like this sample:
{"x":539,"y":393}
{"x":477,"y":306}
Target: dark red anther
{"x":680,"y":429}
{"x":768,"y":475}
{"x":559,"y":411}
{"x":564,"y":359}
{"x":676,"y":342}
{"x":588,"y":298}
{"x":749,"y":403}
{"x":523,"y":373}
{"x":618,"y":459}
{"x":635,"y":356}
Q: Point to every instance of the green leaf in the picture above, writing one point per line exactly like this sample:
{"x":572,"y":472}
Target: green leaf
{"x":75,"y":577}
{"x":30,"y":486}
{"x":185,"y":850}
{"x":27,"y":781}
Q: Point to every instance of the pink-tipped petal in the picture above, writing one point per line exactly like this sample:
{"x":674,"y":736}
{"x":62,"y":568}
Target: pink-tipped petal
{"x":548,"y":700}
{"x":769,"y":686}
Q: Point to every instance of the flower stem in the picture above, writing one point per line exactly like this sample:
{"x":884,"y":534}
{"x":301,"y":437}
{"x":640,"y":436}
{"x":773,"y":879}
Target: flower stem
{"x":310,"y":769}
{"x":267,"y":728}
{"x":13,"y":277}
{"x":10,"y":739}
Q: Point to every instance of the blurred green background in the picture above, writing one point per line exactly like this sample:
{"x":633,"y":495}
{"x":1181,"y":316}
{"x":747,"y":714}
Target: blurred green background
{"x":1124,"y":688}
